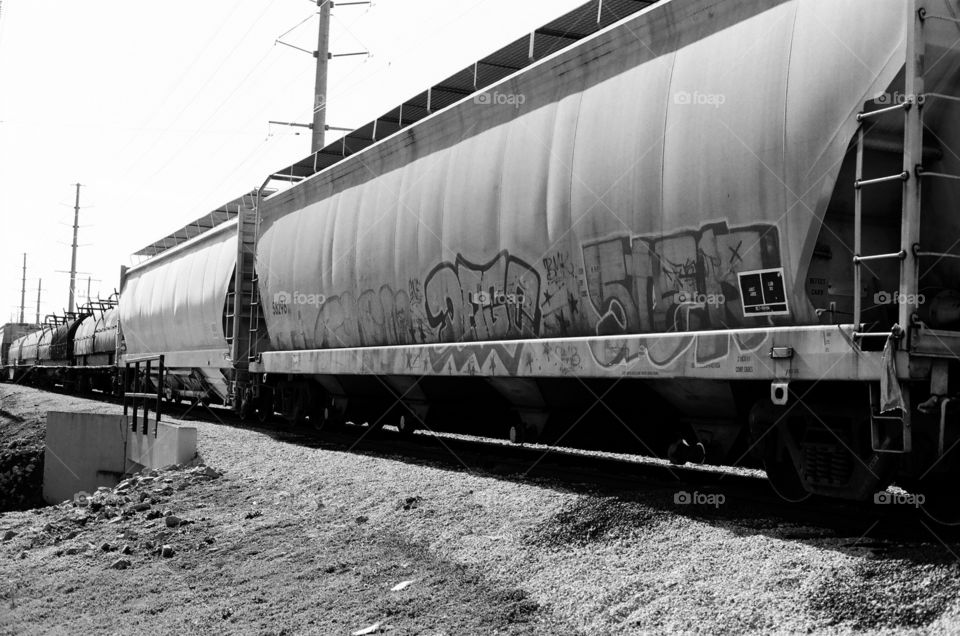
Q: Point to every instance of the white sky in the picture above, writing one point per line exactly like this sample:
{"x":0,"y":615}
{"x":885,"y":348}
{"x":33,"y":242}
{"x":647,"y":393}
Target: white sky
{"x":161,"y":110}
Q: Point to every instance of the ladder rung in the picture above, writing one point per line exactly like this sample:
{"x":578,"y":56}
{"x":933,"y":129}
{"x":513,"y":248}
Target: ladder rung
{"x":939,"y":175}
{"x":938,"y":254}
{"x":903,"y":176}
{"x":941,"y":96}
{"x":871,"y":334}
{"x":878,"y":257}
{"x":933,"y":16}
{"x":883,"y":111}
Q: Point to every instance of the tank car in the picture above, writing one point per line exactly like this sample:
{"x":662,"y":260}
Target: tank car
{"x":95,"y":347}
{"x":23,"y":356}
{"x":758,"y":257}
{"x":10,"y":335}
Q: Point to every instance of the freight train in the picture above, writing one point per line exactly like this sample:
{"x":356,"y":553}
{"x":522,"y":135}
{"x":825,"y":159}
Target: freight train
{"x":726,"y":224}
{"x":76,"y":350}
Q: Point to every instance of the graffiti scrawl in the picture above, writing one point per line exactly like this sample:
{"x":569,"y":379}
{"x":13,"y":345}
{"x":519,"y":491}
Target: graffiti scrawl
{"x":679,"y":282}
{"x":491,"y":301}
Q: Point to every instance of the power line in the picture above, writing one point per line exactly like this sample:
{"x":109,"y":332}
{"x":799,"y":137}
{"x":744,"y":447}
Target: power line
{"x":199,"y":91}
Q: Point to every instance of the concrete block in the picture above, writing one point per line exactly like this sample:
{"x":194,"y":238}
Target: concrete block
{"x":157,"y":448}
{"x":83,"y":452}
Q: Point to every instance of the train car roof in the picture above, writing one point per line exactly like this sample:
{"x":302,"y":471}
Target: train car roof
{"x":205,"y":223}
{"x":558,"y":34}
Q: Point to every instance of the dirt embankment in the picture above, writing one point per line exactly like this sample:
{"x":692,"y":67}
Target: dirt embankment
{"x":287,"y":538}
{"x":21,"y":461}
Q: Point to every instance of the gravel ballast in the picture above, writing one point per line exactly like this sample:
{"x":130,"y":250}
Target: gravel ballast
{"x":272,"y":536}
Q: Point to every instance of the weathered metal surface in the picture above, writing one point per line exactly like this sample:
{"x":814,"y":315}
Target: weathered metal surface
{"x":10,"y":333}
{"x":820,"y":353}
{"x":174,"y":303}
{"x":640,"y":174}
{"x":23,"y":351}
{"x":97,"y":335}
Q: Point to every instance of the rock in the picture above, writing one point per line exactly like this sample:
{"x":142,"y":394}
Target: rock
{"x":126,"y":549}
{"x":207,"y":472}
{"x":209,"y":540}
{"x":106,"y":547}
{"x":253,"y":515}
{"x":411,"y":503}
{"x":172,"y":521}
{"x":9,"y":534}
{"x":362,"y":519}
{"x":141,"y":507}
{"x":72,"y":550}
{"x":154,"y":514}
{"x":402,"y":585}
{"x":367,"y":630}
{"x":121,"y":564}
{"x":166,"y":551}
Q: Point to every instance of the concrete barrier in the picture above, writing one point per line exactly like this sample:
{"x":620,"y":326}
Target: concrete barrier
{"x":157,"y":448}
{"x":83,"y":452}
{"x":87,"y":450}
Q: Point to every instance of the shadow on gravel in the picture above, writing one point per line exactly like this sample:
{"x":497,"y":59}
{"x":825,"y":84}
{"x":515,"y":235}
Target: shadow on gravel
{"x":591,"y":520}
{"x":891,"y":593}
{"x":909,"y":579}
{"x":471,"y":602}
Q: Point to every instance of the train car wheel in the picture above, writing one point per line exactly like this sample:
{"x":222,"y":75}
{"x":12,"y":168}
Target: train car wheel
{"x":407,"y":424}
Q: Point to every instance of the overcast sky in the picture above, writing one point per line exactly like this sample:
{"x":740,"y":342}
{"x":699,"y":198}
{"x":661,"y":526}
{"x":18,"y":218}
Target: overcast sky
{"x":161,"y":110}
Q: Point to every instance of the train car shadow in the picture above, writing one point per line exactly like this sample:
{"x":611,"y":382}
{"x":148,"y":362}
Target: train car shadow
{"x":618,"y":495}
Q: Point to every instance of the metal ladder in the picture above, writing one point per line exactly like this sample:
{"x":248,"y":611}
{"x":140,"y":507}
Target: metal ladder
{"x":243,"y":303}
{"x":911,"y":176}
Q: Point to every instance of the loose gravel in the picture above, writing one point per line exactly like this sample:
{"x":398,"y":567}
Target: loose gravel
{"x":320,"y":539}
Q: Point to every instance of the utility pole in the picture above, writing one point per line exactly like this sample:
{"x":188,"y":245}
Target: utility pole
{"x":39,"y":287}
{"x":320,"y":87}
{"x":23,"y":287}
{"x":73,"y":257}
{"x":323,"y":56}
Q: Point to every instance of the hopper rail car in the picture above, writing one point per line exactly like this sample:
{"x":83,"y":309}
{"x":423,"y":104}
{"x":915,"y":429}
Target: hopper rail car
{"x":684,"y":220}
